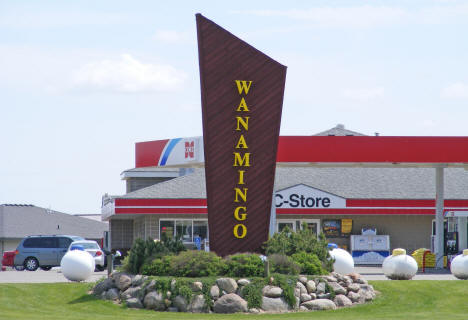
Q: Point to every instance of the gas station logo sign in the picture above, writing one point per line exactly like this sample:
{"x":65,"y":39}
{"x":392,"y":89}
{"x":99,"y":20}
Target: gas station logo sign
{"x":304,"y":197}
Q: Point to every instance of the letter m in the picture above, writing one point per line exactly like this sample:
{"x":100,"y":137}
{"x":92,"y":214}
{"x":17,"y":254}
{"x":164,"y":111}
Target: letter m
{"x":241,"y":161}
{"x":189,"y":149}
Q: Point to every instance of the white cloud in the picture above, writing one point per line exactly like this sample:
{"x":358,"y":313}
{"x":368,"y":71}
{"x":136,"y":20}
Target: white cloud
{"x":364,"y":94}
{"x":128,"y":75}
{"x":456,"y":90}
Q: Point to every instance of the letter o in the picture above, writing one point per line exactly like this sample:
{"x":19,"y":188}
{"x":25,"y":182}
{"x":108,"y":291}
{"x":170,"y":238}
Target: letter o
{"x":236,"y":231}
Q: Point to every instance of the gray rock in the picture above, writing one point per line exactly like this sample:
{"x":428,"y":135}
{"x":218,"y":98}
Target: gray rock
{"x":138,"y":280}
{"x":342,"y":301}
{"x":172,"y":309}
{"x":272,"y":291}
{"x":243,"y":282}
{"x":337,"y":288}
{"x":297,"y":292}
{"x":230,"y":303}
{"x":198,"y":304}
{"x":305,"y":297}
{"x":154,"y":301}
{"x":134,"y":303}
{"x":214,"y":292}
{"x":311,"y":287}
{"x":274,"y":304}
{"x":103,"y":295}
{"x":112,"y":294}
{"x":361,"y":281}
{"x":303,"y":279}
{"x":301,"y":287}
{"x":354,"y":287}
{"x":254,"y":310}
{"x":123,"y":282}
{"x":319,"y":304}
{"x":320,"y":288}
{"x":131,"y":292}
{"x":196,"y":286}
{"x":330,"y":278}
{"x":324,"y":296}
{"x":227,"y":284}
{"x":151,"y":286}
{"x":302,"y":308}
{"x":353,"y":296}
{"x":180,"y":303}
{"x":103,"y":286}
{"x":366,"y":293}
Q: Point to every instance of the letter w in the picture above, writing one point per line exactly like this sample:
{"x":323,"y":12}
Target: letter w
{"x":242,"y":86}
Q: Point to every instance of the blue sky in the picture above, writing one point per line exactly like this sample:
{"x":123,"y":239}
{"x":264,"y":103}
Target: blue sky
{"x":82,"y":81}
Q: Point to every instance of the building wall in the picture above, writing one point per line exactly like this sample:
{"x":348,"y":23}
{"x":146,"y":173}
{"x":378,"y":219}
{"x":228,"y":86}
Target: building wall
{"x":121,"y":233}
{"x":134,"y":184}
{"x":406,"y":231}
{"x":8,"y":245}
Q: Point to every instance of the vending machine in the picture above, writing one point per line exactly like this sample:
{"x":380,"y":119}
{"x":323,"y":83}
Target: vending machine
{"x":370,"y":248}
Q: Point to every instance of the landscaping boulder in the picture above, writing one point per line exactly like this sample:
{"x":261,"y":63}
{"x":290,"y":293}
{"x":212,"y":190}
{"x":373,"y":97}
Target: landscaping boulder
{"x":198,"y":304}
{"x":311,"y":286}
{"x":214,"y":292}
{"x":320,"y":288}
{"x":272,"y":291}
{"x":353,"y":296}
{"x":274,"y":304}
{"x":303,"y":280}
{"x":319,"y":304}
{"x":230,"y":303}
{"x":301,"y":287}
{"x":155,"y":301}
{"x":138,"y":280}
{"x":243,"y":282}
{"x":305,"y":297}
{"x":134,"y":303}
{"x":112,"y":294}
{"x":354,"y":287}
{"x":180,"y":303}
{"x":123,"y":281}
{"x":131,"y":292}
{"x":342,"y":301}
{"x":103,"y":286}
{"x":337,"y":288}
{"x":228,"y":285}
{"x":196,"y":286}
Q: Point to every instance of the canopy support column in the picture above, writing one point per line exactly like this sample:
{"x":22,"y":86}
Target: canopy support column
{"x":439,"y":236}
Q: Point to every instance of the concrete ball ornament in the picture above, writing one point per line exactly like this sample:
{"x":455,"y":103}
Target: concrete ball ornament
{"x":399,"y":266}
{"x":77,"y":265}
{"x":459,"y":265}
{"x":344,"y":263}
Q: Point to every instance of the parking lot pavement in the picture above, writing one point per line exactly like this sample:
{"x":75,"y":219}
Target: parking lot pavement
{"x":376,"y":273}
{"x":41,"y":276}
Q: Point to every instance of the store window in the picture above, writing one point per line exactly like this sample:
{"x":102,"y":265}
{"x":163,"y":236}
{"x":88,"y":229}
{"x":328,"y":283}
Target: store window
{"x":184,"y":229}
{"x":294,"y":225}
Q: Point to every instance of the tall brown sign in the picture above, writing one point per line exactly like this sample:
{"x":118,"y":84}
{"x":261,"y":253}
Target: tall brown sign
{"x":242,"y":97}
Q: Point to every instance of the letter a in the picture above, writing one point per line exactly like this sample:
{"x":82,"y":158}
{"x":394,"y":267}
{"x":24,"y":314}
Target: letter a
{"x":243,"y":106}
{"x":242,"y":86}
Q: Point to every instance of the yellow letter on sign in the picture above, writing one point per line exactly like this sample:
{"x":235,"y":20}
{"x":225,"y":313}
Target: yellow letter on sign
{"x":242,"y":86}
{"x":243,"y":231}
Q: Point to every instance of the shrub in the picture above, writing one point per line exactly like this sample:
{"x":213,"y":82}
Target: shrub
{"x":195,"y":264}
{"x":244,"y":265}
{"x":288,"y":243}
{"x":279,"y":263}
{"x":287,"y":284}
{"x":144,"y":252}
{"x":157,"y":267}
{"x":309,"y":263}
{"x":252,"y":293}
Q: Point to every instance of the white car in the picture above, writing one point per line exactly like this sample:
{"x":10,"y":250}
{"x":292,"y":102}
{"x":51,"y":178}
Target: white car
{"x":94,"y":249}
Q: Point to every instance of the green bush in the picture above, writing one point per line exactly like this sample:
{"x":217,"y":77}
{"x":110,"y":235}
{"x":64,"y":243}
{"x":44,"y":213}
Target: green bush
{"x":157,"y":267}
{"x":279,"y":263}
{"x":195,"y":264}
{"x":252,"y":293}
{"x":309,"y":263}
{"x":144,"y":252}
{"x":287,"y":284}
{"x":288,"y":243}
{"x":244,"y":265}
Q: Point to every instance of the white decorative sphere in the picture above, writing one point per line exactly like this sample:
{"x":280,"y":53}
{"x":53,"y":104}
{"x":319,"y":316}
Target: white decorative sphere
{"x":459,"y":265}
{"x":399,"y":266}
{"x":344,"y":263}
{"x":77,"y":265}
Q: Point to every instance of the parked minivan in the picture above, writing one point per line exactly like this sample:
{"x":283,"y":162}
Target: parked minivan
{"x":42,"y":251}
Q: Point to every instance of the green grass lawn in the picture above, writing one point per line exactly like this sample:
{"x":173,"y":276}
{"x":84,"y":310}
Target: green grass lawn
{"x":397,"y":300}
